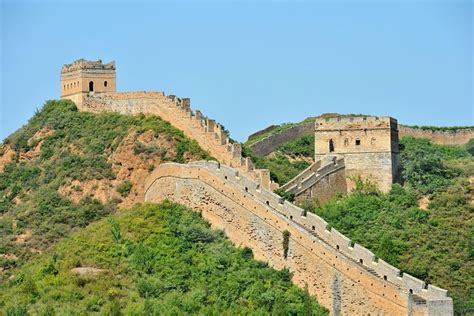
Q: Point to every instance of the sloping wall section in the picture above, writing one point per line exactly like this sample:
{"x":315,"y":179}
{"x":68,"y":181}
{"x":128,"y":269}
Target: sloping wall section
{"x":209,"y":134}
{"x":270,"y":143}
{"x":319,"y":181}
{"x":345,"y":277}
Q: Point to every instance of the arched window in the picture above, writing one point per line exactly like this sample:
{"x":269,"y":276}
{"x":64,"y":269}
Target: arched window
{"x":357,"y":142}
{"x":346,"y":142}
{"x":91,"y":86}
{"x":372,"y":141}
{"x":331,"y":145}
{"x":105,"y":83}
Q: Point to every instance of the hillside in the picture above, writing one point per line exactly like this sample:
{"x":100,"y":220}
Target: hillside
{"x":66,"y":179}
{"x":425,"y":227}
{"x":150,"y":259}
{"x":287,"y":161}
{"x":65,"y":169}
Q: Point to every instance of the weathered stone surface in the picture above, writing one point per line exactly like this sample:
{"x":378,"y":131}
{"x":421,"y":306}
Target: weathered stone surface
{"x":344,"y":279}
{"x":448,"y":137}
{"x":270,"y":143}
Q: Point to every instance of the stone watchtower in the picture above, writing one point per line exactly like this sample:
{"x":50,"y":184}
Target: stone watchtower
{"x":83,"y":77}
{"x":369,"y":146}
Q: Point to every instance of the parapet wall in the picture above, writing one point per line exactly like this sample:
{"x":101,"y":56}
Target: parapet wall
{"x":320,"y":181}
{"x":270,"y":143}
{"x":447,"y":137}
{"x":345,"y":277}
{"x":209,"y":134}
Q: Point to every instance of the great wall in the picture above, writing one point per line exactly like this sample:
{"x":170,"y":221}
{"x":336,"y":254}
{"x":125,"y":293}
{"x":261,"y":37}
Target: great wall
{"x":233,"y":196}
{"x":270,"y":143}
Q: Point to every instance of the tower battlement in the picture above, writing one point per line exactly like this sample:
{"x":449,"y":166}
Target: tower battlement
{"x":368,"y":144}
{"x":82,"y":64}
{"x":355,"y":122}
{"x":83,"y":77}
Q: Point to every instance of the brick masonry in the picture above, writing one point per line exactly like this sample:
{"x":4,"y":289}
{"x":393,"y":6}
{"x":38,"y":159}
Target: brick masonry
{"x":346,"y":278}
{"x":235,"y":197}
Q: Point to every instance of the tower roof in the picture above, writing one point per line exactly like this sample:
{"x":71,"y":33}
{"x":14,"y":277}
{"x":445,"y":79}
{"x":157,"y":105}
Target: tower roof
{"x":82,"y":64}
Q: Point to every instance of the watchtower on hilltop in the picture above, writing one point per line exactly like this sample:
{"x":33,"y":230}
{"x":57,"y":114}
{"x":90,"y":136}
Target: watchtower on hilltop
{"x":83,"y":77}
{"x":369,"y":146}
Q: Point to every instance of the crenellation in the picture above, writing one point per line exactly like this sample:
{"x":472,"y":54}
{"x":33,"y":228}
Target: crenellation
{"x":293,"y":212}
{"x":436,"y":293}
{"x":210,"y":124}
{"x":316,"y":223}
{"x":388,"y":272}
{"x":363,"y":255}
{"x":413,"y":285}
{"x":342,"y":242}
{"x":186,"y":103}
{"x":236,"y":150}
{"x":198,"y":115}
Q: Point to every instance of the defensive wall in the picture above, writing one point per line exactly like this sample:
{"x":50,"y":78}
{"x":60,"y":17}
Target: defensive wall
{"x":444,"y":137}
{"x":319,"y":181}
{"x":459,"y":136}
{"x":345,"y":277}
{"x":368,"y":144}
{"x":209,"y":134}
{"x":270,"y":143}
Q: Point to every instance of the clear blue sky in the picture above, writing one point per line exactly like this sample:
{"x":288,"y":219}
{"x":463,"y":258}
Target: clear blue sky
{"x":249,"y":65}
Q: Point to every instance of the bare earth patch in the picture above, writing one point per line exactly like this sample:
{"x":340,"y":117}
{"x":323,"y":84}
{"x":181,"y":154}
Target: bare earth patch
{"x":423,"y":203}
{"x":7,"y":156}
{"x":82,"y":271}
{"x":127,"y":164}
{"x":22,"y":238}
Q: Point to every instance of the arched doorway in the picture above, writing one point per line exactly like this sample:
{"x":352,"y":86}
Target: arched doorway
{"x":331,"y":146}
{"x":91,"y":86}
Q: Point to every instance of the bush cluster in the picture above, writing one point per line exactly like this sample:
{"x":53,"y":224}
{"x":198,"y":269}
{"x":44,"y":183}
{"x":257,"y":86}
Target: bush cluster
{"x":156,"y":258}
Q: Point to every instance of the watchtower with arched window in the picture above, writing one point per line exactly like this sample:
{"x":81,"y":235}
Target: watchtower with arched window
{"x":369,"y":146}
{"x":83,"y":77}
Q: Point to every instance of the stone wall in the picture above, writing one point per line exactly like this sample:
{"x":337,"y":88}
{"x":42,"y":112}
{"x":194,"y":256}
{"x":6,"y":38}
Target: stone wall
{"x":448,"y":137}
{"x":319,"y":181}
{"x":270,"y":143}
{"x":345,"y":277}
{"x":369,"y":146}
{"x":208,"y":134}
{"x":75,"y":78}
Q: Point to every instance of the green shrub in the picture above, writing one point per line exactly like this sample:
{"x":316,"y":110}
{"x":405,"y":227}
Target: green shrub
{"x":157,"y":267}
{"x":124,"y":188}
{"x":286,"y":243}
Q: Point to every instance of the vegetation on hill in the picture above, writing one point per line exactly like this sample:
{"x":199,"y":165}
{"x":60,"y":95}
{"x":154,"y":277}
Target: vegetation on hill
{"x":270,"y":131}
{"x":438,"y":128}
{"x":67,"y":169}
{"x":275,"y":129}
{"x":151,"y":259}
{"x":435,"y":244}
{"x":288,"y":160}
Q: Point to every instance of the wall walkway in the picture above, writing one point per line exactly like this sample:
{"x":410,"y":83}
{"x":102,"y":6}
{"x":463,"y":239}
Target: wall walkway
{"x":345,"y":277}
